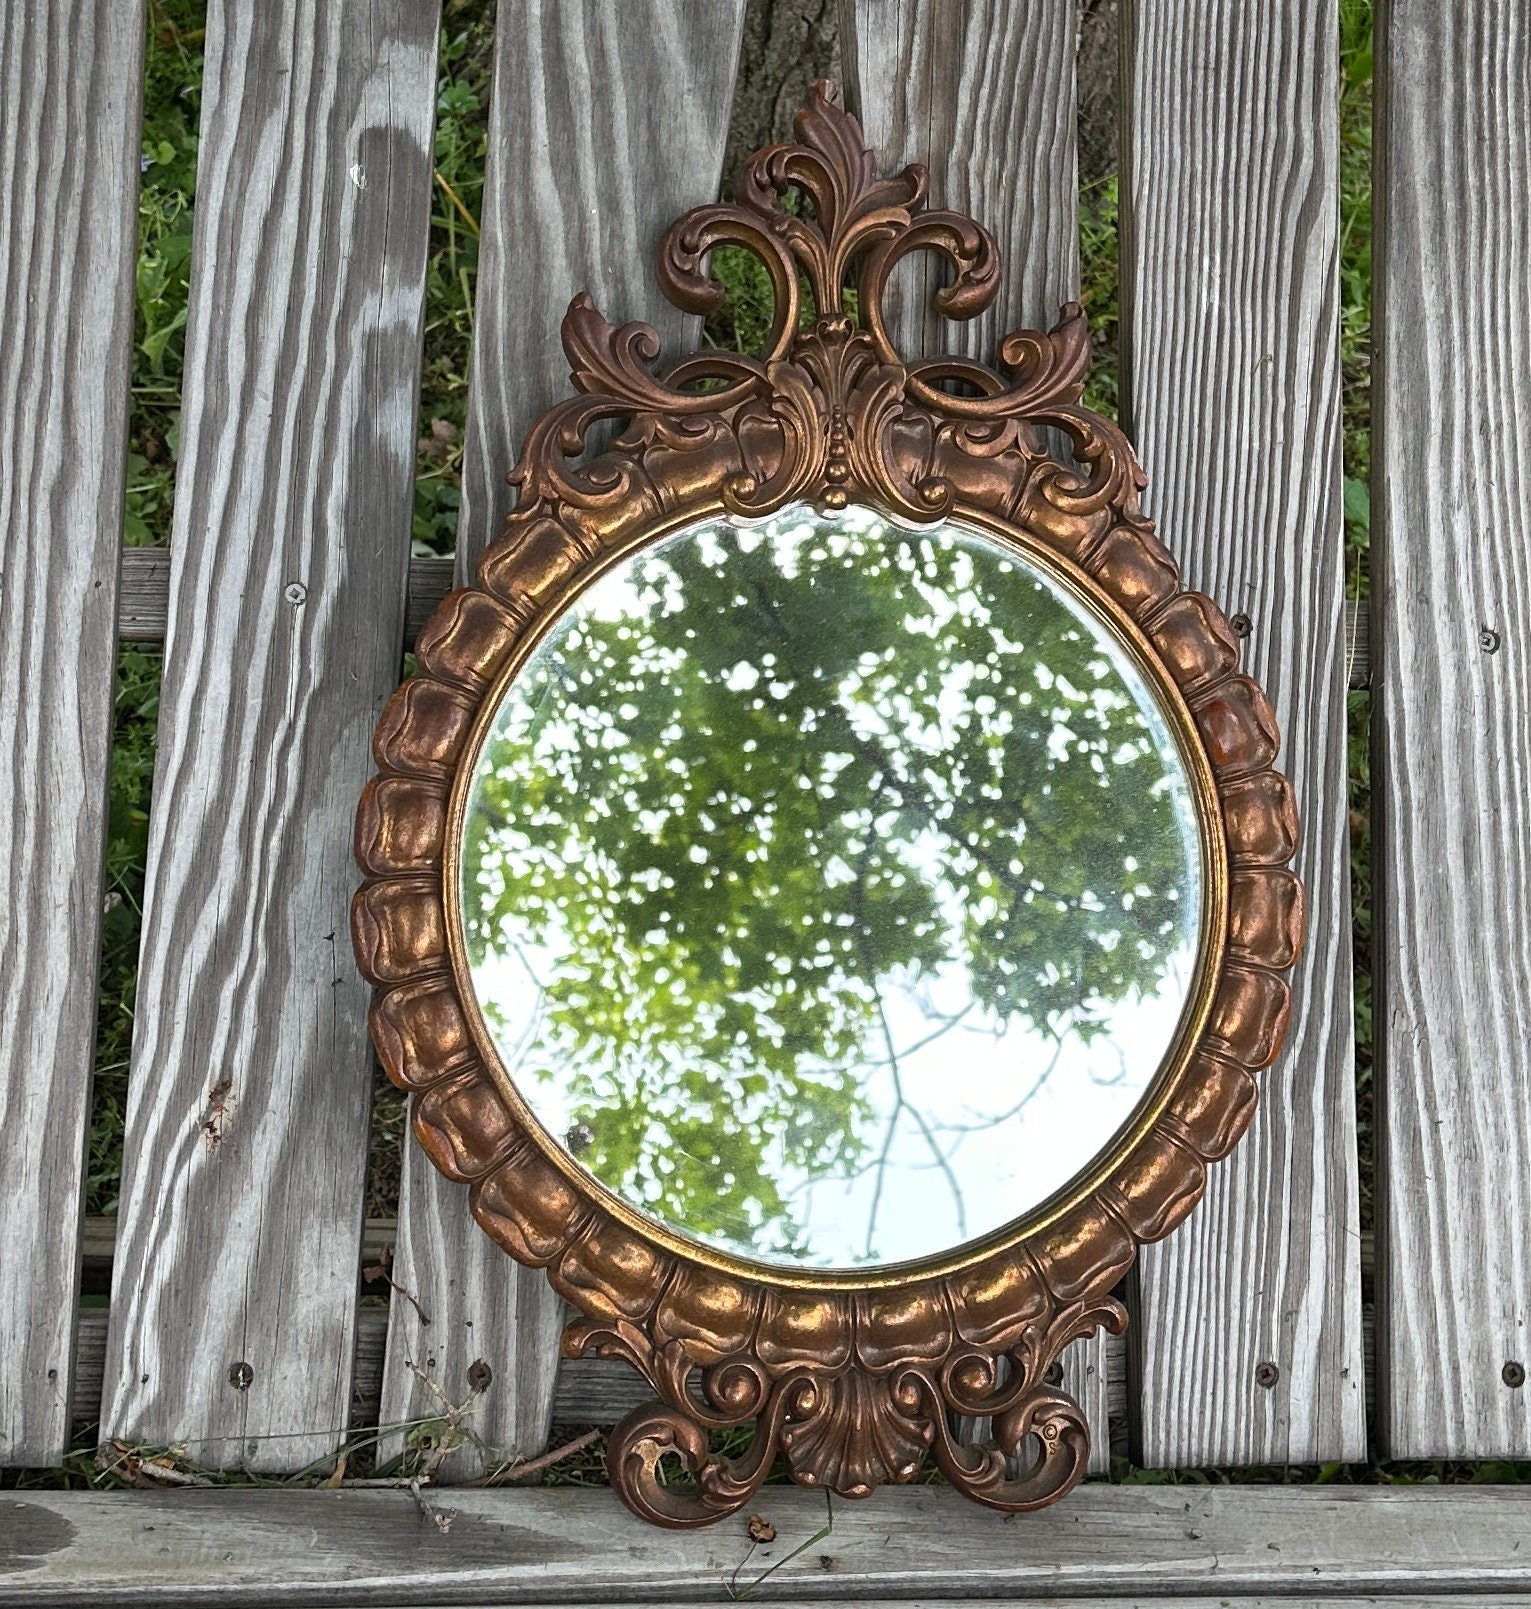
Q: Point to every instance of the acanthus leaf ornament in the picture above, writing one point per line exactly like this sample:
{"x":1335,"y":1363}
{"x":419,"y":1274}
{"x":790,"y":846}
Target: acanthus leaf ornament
{"x":849,"y":1376}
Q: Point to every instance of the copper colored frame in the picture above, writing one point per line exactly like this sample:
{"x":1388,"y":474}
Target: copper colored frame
{"x":851,"y":1377}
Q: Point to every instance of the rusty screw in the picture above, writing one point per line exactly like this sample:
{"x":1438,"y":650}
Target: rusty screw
{"x":240,"y":1375}
{"x":1513,"y":1374}
{"x":1266,"y":1375}
{"x":1242,"y":625}
{"x":479,"y":1375}
{"x":1488,"y":640}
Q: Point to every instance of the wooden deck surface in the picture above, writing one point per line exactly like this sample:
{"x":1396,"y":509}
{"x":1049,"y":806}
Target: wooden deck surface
{"x":290,"y":593}
{"x":915,"y":1545}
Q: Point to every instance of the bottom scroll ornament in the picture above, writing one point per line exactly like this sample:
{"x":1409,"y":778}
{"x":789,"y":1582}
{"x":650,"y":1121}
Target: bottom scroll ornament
{"x":847,"y":1430}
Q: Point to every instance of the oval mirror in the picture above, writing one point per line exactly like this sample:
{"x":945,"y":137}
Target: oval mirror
{"x":831,"y":890}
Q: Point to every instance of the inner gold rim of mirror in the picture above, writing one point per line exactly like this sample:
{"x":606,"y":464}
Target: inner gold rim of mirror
{"x":1211,"y":944}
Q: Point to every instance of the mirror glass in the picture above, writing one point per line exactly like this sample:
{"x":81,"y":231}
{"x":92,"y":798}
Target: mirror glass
{"x":831,"y":889}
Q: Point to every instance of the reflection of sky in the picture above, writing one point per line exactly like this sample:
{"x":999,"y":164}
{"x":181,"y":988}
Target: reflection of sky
{"x":994,"y":1117}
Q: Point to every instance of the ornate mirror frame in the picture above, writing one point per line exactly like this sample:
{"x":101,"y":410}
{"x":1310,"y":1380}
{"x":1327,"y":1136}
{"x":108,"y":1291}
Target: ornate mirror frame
{"x":851,"y":1377}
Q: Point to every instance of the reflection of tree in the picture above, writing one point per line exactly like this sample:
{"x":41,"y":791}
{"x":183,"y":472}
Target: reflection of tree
{"x":778,"y":772}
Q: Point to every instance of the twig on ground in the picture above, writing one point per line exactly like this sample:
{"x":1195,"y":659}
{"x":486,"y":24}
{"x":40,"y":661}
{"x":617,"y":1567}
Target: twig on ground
{"x":524,"y":1468}
{"x":451,"y":1437}
{"x":379,"y":1270}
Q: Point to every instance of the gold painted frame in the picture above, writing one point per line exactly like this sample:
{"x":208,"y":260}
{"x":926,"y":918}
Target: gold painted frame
{"x":852,"y":1377}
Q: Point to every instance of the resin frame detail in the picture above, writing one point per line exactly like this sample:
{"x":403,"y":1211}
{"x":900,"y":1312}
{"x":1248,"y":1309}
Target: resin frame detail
{"x":852,"y":1377}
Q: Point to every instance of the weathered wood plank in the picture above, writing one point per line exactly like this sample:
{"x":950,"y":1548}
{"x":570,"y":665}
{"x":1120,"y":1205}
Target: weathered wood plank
{"x":1212,"y":1545}
{"x":1452,"y":469}
{"x":982,"y":92}
{"x":235,"y":1287}
{"x":70,"y":86}
{"x":607,"y":122}
{"x":588,"y":1391}
{"x":1086,"y":1378}
{"x":144,"y":594}
{"x":1231,"y":368}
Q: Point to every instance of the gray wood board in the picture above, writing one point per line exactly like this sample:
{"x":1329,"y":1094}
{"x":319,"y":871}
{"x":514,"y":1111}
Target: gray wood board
{"x":1231,"y":371}
{"x":144,"y":596}
{"x":587,"y":1391}
{"x":1452,"y":730}
{"x":251,"y":1077}
{"x":982,"y":92}
{"x":144,"y":593}
{"x":568,"y":1546}
{"x":606,"y":124}
{"x":70,"y":86}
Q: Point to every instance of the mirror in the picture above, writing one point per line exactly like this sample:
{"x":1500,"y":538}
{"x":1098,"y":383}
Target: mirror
{"x":829,"y":944}
{"x":831,"y":890}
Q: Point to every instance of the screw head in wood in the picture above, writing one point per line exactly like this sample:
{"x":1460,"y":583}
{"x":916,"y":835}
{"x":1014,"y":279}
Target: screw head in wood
{"x":1266,"y":1375}
{"x":479,"y":1375}
{"x":295,"y":593}
{"x":1513,"y":1374}
{"x":1488,"y":640}
{"x":1242,"y":625}
{"x":240,"y":1375}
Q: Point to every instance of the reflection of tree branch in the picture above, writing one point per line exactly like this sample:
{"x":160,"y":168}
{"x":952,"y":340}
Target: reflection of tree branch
{"x":538,"y":1014}
{"x":901,"y":1102}
{"x":1015,"y":1111}
{"x":886,"y":776}
{"x":762,"y":596}
{"x":947,"y":1024}
{"x":1121,"y":1062}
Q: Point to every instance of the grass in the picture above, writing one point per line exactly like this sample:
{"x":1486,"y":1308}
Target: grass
{"x":1355,"y":273}
{"x":173,"y":86}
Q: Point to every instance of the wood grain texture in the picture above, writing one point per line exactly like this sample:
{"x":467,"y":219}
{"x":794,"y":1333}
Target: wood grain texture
{"x":607,"y":122}
{"x":982,"y":92}
{"x":588,"y":1391}
{"x":70,"y":86}
{"x":1231,"y":371}
{"x":1452,"y":729}
{"x":143,"y":606}
{"x":912,"y":1545}
{"x":235,"y":1281}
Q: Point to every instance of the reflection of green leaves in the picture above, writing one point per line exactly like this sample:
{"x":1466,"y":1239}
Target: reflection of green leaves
{"x":792,"y":768}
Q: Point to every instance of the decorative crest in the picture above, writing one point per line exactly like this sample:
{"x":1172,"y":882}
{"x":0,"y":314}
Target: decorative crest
{"x":830,"y":409}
